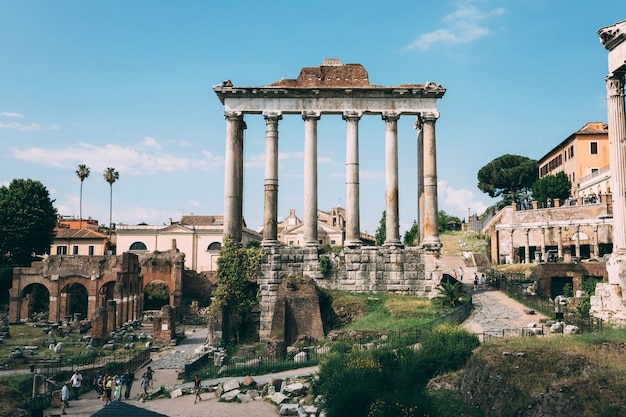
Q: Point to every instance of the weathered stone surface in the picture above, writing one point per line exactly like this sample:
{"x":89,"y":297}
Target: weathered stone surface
{"x":278,"y":397}
{"x":233,"y":384}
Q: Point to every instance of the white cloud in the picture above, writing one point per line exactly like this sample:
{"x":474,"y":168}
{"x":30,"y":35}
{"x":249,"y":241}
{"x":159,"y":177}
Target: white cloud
{"x":11,"y":115}
{"x":151,"y":143}
{"x":464,"y":25}
{"x":126,"y":159}
{"x":458,"y":201}
{"x":20,"y":127}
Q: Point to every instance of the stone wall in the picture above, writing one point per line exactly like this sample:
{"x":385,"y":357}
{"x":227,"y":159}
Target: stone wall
{"x":408,"y":271}
{"x":166,"y":267}
{"x":545,"y":272}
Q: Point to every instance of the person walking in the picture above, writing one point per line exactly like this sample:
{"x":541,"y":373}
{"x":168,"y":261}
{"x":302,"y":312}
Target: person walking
{"x":128,"y":382}
{"x":461,"y":273}
{"x":144,"y":388}
{"x":108,"y":389}
{"x":197,"y":386}
{"x":150,"y":376}
{"x":65,"y":397}
{"x":76,"y":381}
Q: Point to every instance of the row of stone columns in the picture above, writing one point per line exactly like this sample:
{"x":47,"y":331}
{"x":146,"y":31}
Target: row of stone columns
{"x":427,"y":178}
{"x":596,"y":247}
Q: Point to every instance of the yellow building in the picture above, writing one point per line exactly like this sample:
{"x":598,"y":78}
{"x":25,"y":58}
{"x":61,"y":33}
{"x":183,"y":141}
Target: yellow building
{"x":584,"y":157}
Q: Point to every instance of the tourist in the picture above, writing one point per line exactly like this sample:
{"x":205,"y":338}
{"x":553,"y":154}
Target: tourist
{"x":461,"y":273}
{"x":150,"y":376}
{"x":483,"y":281}
{"x":65,"y":397}
{"x":197,"y":386}
{"x":475,"y":281}
{"x":128,"y":382}
{"x":76,"y":381}
{"x":117,"y":393}
{"x":108,"y":389}
{"x":144,"y":387}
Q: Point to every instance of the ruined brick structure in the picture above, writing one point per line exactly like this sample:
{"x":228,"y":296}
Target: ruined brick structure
{"x":73,"y":287}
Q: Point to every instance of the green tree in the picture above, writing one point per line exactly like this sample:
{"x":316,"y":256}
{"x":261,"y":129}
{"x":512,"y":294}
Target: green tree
{"x":110,"y":176}
{"x":552,"y":186}
{"x":451,"y":294}
{"x":27,"y":222}
{"x":82,"y":172}
{"x":444,"y":219}
{"x":237,"y":270}
{"x":381,"y":232}
{"x":507,"y":175}
{"x":411,"y":235}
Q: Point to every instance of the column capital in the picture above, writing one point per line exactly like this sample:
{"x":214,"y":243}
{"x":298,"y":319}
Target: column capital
{"x":428,"y":117}
{"x":233,"y":115}
{"x":390,"y":116}
{"x":351,"y":115}
{"x":311,"y":115}
{"x":615,"y":84}
{"x":272,"y":116}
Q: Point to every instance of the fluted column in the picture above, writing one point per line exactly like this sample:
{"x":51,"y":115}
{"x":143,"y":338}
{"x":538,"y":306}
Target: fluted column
{"x":527,"y":247}
{"x":392,"y":224}
{"x":431,"y":221}
{"x":270,"y":211}
{"x":511,"y":231}
{"x":617,"y":143}
{"x":310,"y":178}
{"x":233,"y":176}
{"x":353,"y":227}
{"x":419,"y":125}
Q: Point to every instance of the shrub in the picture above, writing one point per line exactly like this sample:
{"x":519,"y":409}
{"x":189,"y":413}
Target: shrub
{"x":446,"y":348}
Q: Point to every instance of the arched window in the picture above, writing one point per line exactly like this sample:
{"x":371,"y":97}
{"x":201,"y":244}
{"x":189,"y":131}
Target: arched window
{"x":215,"y":246}
{"x":138,"y":246}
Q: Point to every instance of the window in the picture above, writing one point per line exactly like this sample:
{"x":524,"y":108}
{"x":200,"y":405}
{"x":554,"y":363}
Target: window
{"x":62,"y":250}
{"x":92,"y":250}
{"x":571,"y":151}
{"x":291,"y":243}
{"x":215,"y":246}
{"x":593,"y":148}
{"x":332,"y":241}
{"x":75,"y":250}
{"x":138,"y":246}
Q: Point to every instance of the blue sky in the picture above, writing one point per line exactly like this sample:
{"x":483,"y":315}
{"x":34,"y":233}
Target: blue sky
{"x":128,"y":84}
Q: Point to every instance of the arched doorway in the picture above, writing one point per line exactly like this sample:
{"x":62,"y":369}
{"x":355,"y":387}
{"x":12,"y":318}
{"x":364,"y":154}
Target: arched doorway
{"x":75,"y":301}
{"x":156,"y":294}
{"x":106,"y":293}
{"x":35,"y":301}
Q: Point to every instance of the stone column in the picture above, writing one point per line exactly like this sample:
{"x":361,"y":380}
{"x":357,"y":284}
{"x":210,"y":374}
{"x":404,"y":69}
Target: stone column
{"x":420,"y":178}
{"x":577,"y":241}
{"x":392,"y":225}
{"x":310,"y":178}
{"x":596,"y":242}
{"x":270,"y":213}
{"x":233,"y":176}
{"x":431,"y":221}
{"x":512,"y":246}
{"x":559,"y":241}
{"x":617,"y":155}
{"x":527,"y":247}
{"x":353,"y":227}
{"x":543,"y":243}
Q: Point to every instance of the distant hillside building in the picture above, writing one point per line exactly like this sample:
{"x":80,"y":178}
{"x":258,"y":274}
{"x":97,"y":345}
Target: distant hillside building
{"x":198,"y":237}
{"x":584,"y":157}
{"x":76,"y":237}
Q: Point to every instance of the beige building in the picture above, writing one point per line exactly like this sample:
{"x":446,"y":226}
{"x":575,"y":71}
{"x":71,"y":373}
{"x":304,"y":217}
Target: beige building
{"x":198,"y":237}
{"x":79,"y":237}
{"x":584,"y":157}
{"x":331,"y":229}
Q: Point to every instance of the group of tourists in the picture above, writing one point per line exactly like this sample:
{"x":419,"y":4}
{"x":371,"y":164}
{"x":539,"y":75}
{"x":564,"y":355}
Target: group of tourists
{"x":109,"y":387}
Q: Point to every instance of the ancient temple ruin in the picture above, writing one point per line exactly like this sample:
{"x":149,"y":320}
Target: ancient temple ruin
{"x":334,"y":88}
{"x":610,"y":298}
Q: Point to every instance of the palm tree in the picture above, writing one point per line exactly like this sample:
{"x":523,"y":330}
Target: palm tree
{"x":82,"y":172}
{"x":110,"y":176}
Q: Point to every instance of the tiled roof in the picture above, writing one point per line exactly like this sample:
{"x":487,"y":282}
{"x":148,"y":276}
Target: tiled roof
{"x":65,"y":233}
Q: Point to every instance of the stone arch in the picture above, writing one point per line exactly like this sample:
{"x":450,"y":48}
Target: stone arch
{"x":137,"y":247}
{"x":106,"y":293}
{"x":156,"y":294}
{"x":35,"y":299}
{"x":215,"y":246}
{"x":74,"y":301}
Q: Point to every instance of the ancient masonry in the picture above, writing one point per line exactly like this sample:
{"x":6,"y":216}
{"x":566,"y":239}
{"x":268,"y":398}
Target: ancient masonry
{"x":344,"y":89}
{"x":608,"y":303}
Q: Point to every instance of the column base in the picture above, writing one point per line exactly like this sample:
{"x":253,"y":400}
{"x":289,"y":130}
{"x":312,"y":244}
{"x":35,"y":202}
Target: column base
{"x":432,"y":244}
{"x":353,"y":243}
{"x":270,"y":243}
{"x":393,"y":243}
